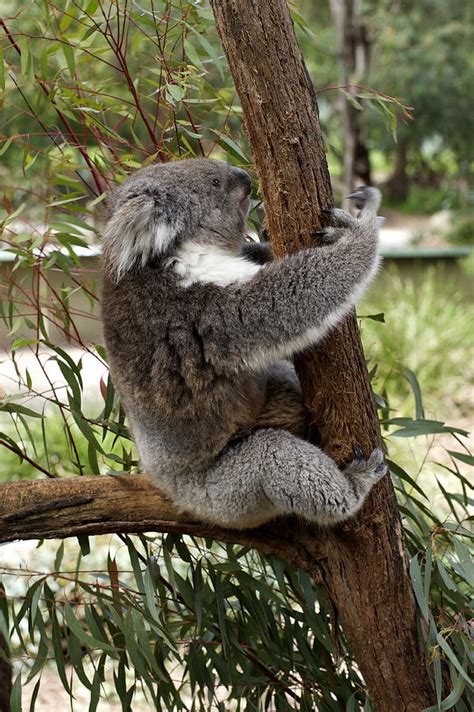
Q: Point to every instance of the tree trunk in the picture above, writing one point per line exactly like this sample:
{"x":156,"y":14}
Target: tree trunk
{"x":397,"y":184}
{"x":364,"y":568}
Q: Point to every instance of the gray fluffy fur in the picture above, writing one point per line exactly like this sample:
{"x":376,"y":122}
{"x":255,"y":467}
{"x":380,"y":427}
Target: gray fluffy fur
{"x":214,"y":407}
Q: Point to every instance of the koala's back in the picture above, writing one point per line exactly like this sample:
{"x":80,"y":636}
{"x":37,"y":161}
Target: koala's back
{"x":170,"y":391}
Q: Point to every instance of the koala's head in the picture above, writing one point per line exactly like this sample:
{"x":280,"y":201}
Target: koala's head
{"x":163,"y":205}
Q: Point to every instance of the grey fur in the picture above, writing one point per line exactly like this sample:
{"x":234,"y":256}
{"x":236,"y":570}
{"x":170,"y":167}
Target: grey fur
{"x":215,"y":410}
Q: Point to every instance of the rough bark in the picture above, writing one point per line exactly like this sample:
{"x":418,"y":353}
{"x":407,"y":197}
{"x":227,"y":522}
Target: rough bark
{"x":364,"y":567}
{"x":74,"y":506}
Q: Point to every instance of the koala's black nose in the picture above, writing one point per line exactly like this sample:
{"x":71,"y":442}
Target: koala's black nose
{"x":243,"y":178}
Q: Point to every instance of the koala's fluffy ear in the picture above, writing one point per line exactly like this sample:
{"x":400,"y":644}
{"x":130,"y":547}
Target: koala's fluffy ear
{"x":138,"y":230}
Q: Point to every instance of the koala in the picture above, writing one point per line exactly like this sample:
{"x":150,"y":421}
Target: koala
{"x":200,"y":325}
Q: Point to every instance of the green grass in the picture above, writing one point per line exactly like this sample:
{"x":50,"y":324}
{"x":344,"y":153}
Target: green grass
{"x":428,"y":328}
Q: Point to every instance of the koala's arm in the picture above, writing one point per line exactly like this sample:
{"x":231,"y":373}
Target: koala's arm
{"x":258,"y":252}
{"x":291,"y":304}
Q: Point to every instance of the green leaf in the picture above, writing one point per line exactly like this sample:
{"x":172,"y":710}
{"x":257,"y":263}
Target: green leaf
{"x":421,"y":597}
{"x":403,"y":475}
{"x":34,"y":695}
{"x":15,"y":695}
{"x":67,"y":358}
{"x":71,"y":198}
{"x":453,"y":697}
{"x":462,"y":457}
{"x":447,"y":580}
{"x":232,"y":148}
{"x":194,"y":56}
{"x":197,"y":583}
{"x":220,"y":604}
{"x":415,"y":386}
{"x":84,"y":544}
{"x":150,"y":595}
{"x":59,"y":557}
{"x":95,"y":692}
{"x":84,"y":637}
{"x":209,"y":50}
{"x":175,"y":93}
{"x":26,"y":57}
{"x":465,"y":559}
{"x":352,"y":99}
{"x":414,"y":428}
{"x":58,"y":650}
{"x":450,"y":654}
{"x":69,"y":57}
{"x":76,"y":656}
{"x":42,"y":650}
{"x":6,"y":145}
{"x":4,"y":615}
{"x":20,"y":409}
{"x":92,"y":7}
{"x":374,"y":317}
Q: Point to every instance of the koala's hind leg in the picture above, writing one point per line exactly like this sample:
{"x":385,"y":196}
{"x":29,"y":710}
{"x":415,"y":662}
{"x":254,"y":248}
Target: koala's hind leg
{"x":284,"y":407}
{"x":272,"y":473}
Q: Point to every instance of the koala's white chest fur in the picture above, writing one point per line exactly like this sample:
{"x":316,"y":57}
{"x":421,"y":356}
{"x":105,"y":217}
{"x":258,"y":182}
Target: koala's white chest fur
{"x":197,"y":262}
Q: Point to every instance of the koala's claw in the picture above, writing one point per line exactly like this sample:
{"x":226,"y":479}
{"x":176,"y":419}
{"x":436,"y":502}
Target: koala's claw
{"x":358,"y":452}
{"x":335,"y":217}
{"x":328,"y":235}
{"x":336,"y":223}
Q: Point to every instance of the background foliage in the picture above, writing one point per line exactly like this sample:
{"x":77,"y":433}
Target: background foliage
{"x":92,"y":90}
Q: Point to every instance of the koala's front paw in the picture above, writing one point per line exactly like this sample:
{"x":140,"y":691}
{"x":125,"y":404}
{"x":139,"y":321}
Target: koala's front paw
{"x":366,"y":198}
{"x":336,"y":223}
{"x":364,"y":473}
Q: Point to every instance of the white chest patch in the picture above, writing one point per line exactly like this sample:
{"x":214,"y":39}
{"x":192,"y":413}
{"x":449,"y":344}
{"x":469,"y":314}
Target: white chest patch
{"x":195,"y":262}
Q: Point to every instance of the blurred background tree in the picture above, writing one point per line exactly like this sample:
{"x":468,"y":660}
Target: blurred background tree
{"x":420,"y":53}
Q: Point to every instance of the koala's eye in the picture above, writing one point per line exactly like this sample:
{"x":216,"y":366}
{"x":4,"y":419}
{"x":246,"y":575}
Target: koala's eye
{"x":216,"y":183}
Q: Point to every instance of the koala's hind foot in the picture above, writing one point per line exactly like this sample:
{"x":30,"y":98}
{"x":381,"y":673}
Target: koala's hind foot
{"x":364,"y":473}
{"x":273,"y":473}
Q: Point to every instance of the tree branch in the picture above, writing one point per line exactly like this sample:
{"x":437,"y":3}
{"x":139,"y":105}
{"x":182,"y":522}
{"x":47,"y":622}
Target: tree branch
{"x":74,"y":506}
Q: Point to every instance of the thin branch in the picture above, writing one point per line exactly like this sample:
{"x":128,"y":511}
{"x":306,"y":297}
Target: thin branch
{"x":23,"y":456}
{"x":96,"y":175}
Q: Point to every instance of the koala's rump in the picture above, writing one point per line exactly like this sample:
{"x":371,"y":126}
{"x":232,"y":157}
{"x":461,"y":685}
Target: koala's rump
{"x":168,"y":388}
